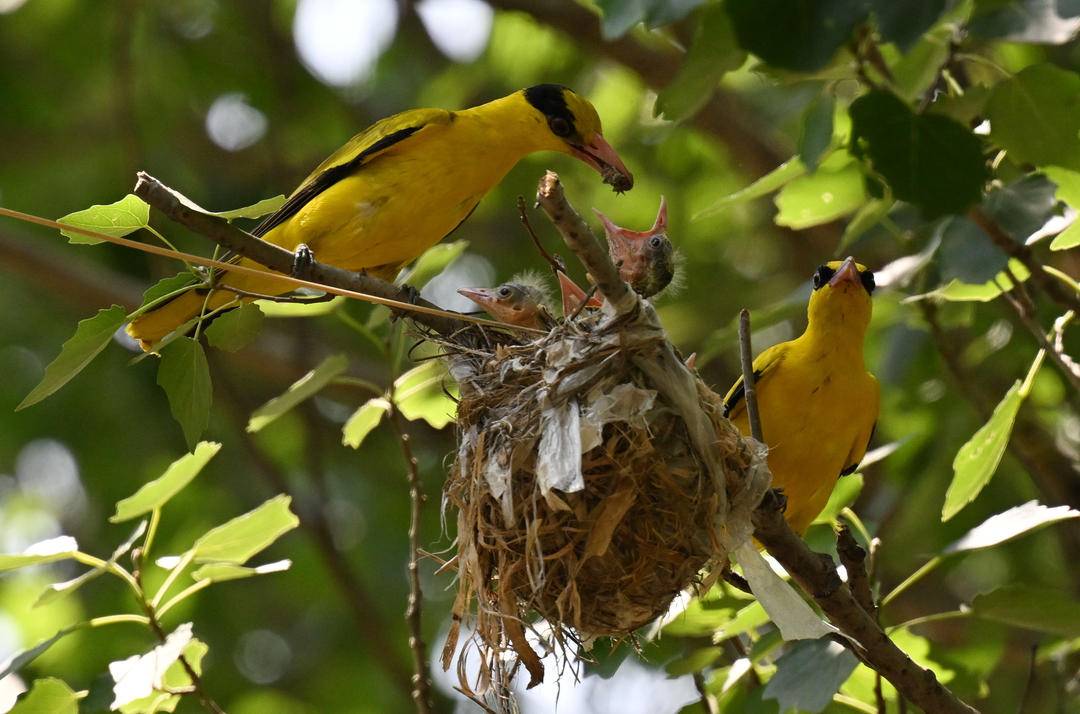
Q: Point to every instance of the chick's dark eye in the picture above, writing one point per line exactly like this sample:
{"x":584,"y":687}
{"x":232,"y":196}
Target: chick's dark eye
{"x":656,"y":242}
{"x":559,"y":126}
{"x":822,"y":276}
{"x":504,"y":292}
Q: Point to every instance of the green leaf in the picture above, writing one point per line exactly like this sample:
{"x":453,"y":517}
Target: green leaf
{"x":49,"y":696}
{"x":57,"y":591}
{"x":301,"y":389}
{"x":966,"y":253}
{"x":138,"y":676}
{"x":236,"y":328}
{"x":978,"y":459}
{"x":91,"y":336}
{"x":713,"y":52}
{"x":619,"y":16}
{"x":809,"y":674}
{"x":255,"y":210}
{"x":1033,"y":608}
{"x":363,"y":421}
{"x":420,"y":394}
{"x":864,"y":219}
{"x":274,"y":309}
{"x":221,"y":572}
{"x":185,"y":376}
{"x":846,"y":492}
{"x":239,"y":539}
{"x":823,"y":196}
{"x":957,"y":291}
{"x":46,"y":551}
{"x":1008,"y":525}
{"x":177,"y":476}
{"x":169,"y":285}
{"x":817,"y":129}
{"x":21,"y":658}
{"x":433,"y":261}
{"x":1035,"y":116}
{"x":1023,"y":21}
{"x":801,"y":35}
{"x":1068,"y":190}
{"x":127,"y":215}
{"x":695,"y":661}
{"x":927,"y":159}
{"x":903,"y":23}
{"x":775,"y":179}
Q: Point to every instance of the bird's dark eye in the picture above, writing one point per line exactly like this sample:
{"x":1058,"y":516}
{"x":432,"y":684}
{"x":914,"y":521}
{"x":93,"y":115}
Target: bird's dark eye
{"x":655,"y":242}
{"x":868,"y":281}
{"x":504,"y":292}
{"x":559,"y":126}
{"x":822,"y":276}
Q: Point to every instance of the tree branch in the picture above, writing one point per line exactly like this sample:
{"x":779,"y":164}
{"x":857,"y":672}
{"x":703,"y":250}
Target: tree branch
{"x":279,"y":259}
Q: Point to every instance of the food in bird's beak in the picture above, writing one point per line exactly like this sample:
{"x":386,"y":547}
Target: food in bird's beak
{"x":848,"y":272}
{"x":646,"y":259}
{"x":601,"y":156}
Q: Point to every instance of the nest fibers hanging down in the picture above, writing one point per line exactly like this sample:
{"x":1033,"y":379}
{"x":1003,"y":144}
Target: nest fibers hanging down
{"x":595,"y":480}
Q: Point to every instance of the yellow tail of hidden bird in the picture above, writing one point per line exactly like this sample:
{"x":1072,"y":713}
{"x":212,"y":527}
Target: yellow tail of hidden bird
{"x":817,"y":402}
{"x":402,"y":185}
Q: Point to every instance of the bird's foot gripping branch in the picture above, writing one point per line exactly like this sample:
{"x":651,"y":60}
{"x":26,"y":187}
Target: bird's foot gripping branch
{"x":596,"y":478}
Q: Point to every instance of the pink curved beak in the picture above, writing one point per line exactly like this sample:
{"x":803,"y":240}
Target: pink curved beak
{"x":847,"y":273}
{"x":573,"y":295}
{"x":599,"y":154}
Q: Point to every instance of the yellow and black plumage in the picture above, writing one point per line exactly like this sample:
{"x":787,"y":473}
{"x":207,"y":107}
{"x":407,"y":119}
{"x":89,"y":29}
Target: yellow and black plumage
{"x":817,"y":401}
{"x":403,"y":184}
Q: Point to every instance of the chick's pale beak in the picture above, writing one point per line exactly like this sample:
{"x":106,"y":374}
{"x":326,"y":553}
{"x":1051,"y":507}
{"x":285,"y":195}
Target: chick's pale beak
{"x":481,"y":296}
{"x":598,"y":153}
{"x":847,"y":273}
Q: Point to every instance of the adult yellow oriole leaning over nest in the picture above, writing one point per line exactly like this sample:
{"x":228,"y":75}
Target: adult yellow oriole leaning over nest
{"x":818,"y":404}
{"x":404,"y":183}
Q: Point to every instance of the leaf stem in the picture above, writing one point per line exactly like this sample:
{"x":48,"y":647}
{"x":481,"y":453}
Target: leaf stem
{"x":182,"y":595}
{"x":915,"y":577}
{"x":185,"y":561}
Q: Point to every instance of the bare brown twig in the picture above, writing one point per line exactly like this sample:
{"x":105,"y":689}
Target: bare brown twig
{"x":421,"y":679}
{"x":556,"y":262}
{"x":747,"y":364}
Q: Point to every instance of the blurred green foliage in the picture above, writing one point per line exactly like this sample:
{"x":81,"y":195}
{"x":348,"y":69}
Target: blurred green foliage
{"x":222,"y":101}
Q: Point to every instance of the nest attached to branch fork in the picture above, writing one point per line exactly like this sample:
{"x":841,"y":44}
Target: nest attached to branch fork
{"x":594,"y":481}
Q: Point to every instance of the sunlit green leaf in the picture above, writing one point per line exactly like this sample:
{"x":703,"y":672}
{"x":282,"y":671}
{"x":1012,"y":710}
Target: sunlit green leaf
{"x":56,"y":591}
{"x":847,"y":490}
{"x":307,"y":386}
{"x":127,"y":215}
{"x":175,"y":678}
{"x":696,"y":661}
{"x":184,"y":374}
{"x":46,"y":551}
{"x":138,"y":676}
{"x":927,"y":159}
{"x":420,"y":393}
{"x":433,"y":261}
{"x":90,"y":338}
{"x":363,"y":421}
{"x":1035,"y":116}
{"x":713,"y":52}
{"x":49,"y":696}
{"x":775,"y":179}
{"x":956,"y":291}
{"x":1010,"y":524}
{"x":1034,"y":608}
{"x":255,"y":210}
{"x":801,"y":35}
{"x":1068,"y":190}
{"x":239,"y":539}
{"x":274,"y":309}
{"x":167,"y":286}
{"x":809,"y":674}
{"x":220,"y":572}
{"x":823,"y":196}
{"x":157,"y":493}
{"x":236,"y":328}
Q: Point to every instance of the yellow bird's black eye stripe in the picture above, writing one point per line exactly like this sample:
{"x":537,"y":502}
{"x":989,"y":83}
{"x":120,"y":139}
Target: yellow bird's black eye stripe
{"x":550,"y":100}
{"x":867,"y":279}
{"x":822,"y":276}
{"x":328,"y":178}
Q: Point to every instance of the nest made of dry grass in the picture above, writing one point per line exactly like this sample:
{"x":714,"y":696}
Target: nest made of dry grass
{"x":603,"y":554}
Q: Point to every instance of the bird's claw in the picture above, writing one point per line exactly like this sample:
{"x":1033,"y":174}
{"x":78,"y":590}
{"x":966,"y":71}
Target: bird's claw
{"x":781,"y":499}
{"x":303,"y":259}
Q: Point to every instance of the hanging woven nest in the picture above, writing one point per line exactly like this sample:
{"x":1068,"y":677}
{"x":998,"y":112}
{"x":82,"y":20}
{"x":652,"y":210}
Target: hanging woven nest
{"x":585,"y":496}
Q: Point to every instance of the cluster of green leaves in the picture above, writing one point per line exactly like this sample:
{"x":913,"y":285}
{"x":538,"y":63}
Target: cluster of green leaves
{"x":914,"y":133}
{"x":155,"y":681}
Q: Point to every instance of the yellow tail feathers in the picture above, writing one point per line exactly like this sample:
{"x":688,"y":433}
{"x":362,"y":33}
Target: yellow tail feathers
{"x":150,"y":327}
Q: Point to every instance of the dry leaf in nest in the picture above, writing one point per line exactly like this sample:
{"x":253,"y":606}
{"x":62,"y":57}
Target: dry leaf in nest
{"x":581,"y":497}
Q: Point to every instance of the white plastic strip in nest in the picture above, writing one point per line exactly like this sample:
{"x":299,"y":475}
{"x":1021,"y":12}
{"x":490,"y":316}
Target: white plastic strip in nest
{"x":558,"y":458}
{"x":625,"y":403}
